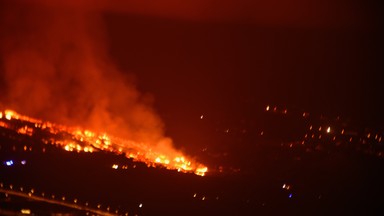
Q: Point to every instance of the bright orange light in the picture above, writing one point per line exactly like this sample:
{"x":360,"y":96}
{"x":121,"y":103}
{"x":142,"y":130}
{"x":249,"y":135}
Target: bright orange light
{"x":201,"y":171}
{"x":86,"y":141}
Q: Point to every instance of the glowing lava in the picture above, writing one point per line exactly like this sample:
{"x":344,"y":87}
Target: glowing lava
{"x":81,"y":140}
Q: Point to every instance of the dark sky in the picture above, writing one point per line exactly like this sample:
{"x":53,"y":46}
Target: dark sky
{"x":324,"y":58}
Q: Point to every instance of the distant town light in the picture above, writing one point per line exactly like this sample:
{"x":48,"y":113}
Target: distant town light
{"x":9,"y":163}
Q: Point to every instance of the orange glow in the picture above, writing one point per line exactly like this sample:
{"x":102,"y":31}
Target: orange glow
{"x":88,"y":141}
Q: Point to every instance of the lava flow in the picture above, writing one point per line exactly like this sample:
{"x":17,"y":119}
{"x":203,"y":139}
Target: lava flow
{"x":77,"y":139}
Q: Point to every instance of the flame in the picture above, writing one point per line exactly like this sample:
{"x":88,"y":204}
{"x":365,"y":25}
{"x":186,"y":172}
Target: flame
{"x":88,"y":141}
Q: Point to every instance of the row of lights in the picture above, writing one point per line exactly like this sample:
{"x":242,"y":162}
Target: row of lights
{"x":203,"y":198}
{"x":63,"y":198}
{"x":274,"y":109}
{"x":12,"y":162}
{"x":377,"y":137}
{"x":116,"y":166}
{"x":25,"y":148}
{"x":342,"y":132}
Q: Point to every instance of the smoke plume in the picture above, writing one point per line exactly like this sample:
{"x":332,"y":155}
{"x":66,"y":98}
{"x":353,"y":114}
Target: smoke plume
{"x":55,"y":66}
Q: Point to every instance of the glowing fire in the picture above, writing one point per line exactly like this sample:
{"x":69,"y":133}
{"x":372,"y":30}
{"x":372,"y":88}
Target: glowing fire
{"x":87,"y":141}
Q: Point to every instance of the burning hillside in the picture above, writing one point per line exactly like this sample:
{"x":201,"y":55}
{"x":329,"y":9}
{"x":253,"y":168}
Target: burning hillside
{"x":81,"y":140}
{"x":56,"y":66}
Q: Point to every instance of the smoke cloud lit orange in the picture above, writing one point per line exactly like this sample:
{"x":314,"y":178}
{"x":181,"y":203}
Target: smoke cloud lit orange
{"x":56,"y":67}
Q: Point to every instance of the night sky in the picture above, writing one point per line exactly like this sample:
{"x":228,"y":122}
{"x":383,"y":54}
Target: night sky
{"x":323,"y":60}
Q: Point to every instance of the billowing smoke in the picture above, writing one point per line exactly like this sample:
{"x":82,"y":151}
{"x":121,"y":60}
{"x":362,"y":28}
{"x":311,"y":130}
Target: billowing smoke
{"x":55,"y":66}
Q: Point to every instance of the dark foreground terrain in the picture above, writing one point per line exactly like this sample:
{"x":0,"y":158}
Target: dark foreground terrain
{"x":292,"y":167}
